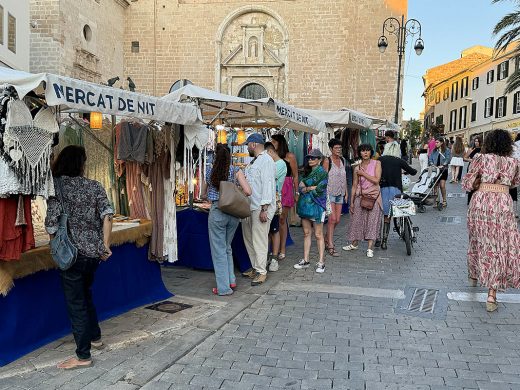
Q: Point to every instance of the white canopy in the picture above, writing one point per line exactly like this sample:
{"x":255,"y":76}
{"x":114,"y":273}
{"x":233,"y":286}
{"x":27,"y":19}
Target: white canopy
{"x":237,"y":111}
{"x":345,"y":118}
{"x":89,"y":97}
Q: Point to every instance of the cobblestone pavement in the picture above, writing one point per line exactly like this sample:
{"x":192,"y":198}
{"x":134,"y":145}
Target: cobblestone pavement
{"x":345,"y":329}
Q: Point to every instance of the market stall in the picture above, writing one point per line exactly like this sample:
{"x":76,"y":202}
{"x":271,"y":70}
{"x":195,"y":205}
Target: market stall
{"x":32,"y":305}
{"x":234,"y":116}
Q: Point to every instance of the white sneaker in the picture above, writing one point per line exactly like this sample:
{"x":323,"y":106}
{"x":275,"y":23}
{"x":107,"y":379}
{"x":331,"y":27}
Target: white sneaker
{"x":302,"y":264}
{"x":370,"y":253}
{"x":349,"y":247}
{"x":320,"y":268}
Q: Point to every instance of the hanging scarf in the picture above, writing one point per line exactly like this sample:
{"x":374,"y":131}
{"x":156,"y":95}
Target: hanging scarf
{"x":28,"y":144}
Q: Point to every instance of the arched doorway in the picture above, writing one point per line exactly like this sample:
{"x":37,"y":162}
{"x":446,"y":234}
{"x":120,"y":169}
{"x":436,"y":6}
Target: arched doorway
{"x":253,"y":91}
{"x":252,"y":46}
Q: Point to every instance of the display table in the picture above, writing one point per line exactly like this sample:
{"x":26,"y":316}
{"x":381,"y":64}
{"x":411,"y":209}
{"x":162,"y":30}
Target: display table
{"x":193,"y":237}
{"x":33,"y":313}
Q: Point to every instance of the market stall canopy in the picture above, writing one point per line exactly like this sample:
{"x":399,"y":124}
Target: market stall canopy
{"x":242,"y":112}
{"x":344,"y":118}
{"x":88,"y":97}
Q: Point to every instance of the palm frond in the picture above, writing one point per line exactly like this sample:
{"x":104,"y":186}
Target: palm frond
{"x":507,"y":21}
{"x":500,"y":1}
{"x":513,"y":82}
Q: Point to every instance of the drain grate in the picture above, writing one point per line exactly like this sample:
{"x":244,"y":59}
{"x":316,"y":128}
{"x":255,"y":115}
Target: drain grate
{"x":456,"y":195}
{"x":423,"y":300}
{"x":169,"y":307}
{"x":450,"y":220}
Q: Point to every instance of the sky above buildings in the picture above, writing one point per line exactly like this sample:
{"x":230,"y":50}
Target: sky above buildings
{"x":448,"y":27}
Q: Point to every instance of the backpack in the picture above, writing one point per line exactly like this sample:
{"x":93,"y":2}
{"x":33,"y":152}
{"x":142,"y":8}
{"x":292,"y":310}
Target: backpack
{"x":330,"y":162}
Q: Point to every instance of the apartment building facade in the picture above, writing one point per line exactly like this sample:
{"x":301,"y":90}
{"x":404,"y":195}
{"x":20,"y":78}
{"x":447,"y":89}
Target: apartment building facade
{"x":14,"y":34}
{"x":470,"y":100}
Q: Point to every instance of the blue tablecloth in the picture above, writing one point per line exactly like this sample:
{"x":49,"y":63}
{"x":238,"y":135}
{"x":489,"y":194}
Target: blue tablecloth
{"x":193,"y":239}
{"x":34,"y":313}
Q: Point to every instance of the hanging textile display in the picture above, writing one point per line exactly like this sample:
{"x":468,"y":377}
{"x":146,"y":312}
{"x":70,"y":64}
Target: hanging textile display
{"x":27,"y":147}
{"x":172,"y":138}
{"x":16,"y":229}
{"x":99,"y":165}
{"x":368,"y":136}
{"x":158,"y":173}
{"x":194,"y":136}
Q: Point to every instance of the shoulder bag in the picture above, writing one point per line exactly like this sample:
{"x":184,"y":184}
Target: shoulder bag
{"x":63,"y":252}
{"x":368,"y":199}
{"x":232,"y":200}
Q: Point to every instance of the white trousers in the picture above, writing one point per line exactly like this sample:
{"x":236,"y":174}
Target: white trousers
{"x":423,"y":159}
{"x":256,"y":239}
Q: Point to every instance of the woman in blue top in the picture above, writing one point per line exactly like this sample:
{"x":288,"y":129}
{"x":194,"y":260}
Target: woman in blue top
{"x":222,"y":226}
{"x":441,"y":157}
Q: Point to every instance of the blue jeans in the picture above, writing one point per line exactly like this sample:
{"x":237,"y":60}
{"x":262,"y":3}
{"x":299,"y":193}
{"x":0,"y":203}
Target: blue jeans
{"x":222,"y":227}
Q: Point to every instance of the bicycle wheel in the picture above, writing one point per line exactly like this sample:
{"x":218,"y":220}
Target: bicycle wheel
{"x":407,"y":235}
{"x":398,"y":227}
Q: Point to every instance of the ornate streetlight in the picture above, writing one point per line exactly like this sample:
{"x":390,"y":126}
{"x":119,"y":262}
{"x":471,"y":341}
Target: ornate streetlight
{"x":401,"y":30}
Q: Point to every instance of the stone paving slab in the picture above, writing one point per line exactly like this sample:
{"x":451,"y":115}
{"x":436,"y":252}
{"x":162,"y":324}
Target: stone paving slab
{"x":302,"y":330}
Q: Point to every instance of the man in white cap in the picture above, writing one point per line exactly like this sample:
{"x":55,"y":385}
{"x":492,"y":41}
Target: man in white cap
{"x":260,"y":174}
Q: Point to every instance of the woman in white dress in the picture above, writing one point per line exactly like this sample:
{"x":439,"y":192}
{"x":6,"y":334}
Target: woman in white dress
{"x":457,"y":159}
{"x":423,"y":155}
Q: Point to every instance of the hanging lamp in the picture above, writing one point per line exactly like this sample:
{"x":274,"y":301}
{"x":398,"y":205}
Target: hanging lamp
{"x":96,"y":120}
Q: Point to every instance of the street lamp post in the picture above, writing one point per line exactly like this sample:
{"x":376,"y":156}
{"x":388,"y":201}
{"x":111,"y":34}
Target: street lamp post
{"x":401,"y":30}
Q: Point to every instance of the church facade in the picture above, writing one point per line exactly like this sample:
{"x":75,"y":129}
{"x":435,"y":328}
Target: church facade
{"x":313,"y":54}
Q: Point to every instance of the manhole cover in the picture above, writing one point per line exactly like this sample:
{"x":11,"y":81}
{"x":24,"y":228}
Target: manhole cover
{"x":169,"y":307}
{"x":423,"y":302}
{"x":457,"y":195}
{"x":450,"y":220}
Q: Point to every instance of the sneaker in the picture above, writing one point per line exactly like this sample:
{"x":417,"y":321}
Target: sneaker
{"x":250,"y":273}
{"x":370,"y":253}
{"x":259,"y":279}
{"x":320,"y":268}
{"x":302,"y":264}
{"x":349,"y":247}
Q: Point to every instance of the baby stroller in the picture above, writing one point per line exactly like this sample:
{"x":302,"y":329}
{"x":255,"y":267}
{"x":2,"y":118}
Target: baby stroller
{"x":423,"y":191}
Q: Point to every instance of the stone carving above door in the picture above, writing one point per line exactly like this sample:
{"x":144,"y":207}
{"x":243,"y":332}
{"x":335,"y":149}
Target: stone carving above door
{"x":252,"y":47}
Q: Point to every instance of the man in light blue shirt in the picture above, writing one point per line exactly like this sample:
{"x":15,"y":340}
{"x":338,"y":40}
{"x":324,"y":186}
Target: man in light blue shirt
{"x":260,"y":174}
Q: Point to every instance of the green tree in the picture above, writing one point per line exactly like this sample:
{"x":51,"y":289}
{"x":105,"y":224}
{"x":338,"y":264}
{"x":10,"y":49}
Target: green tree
{"x":413,"y":132}
{"x":509,"y":29}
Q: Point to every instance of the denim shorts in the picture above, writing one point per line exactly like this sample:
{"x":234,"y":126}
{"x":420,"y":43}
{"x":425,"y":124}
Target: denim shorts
{"x":275,"y":224}
{"x":339,"y":199}
{"x":387,"y":194}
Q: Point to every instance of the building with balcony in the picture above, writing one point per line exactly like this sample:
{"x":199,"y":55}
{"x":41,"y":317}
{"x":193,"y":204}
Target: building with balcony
{"x":466,"y":97}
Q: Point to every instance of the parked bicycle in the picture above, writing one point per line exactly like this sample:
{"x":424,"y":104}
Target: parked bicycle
{"x":402,"y":208}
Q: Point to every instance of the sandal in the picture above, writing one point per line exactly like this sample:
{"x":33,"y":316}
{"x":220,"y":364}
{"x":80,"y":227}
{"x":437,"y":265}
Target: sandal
{"x":444,"y":204}
{"x":281,"y":256}
{"x":491,"y":305}
{"x":332,"y":251}
{"x":75,"y":363}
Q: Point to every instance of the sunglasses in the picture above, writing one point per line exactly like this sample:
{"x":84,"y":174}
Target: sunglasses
{"x":313,"y":158}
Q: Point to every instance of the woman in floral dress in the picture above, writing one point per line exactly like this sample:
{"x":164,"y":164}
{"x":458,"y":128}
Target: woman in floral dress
{"x":364,"y":223}
{"x":494,"y":239}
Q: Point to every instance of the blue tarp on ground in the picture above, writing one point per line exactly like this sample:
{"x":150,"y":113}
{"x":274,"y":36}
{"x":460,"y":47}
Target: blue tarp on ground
{"x":34,"y":312}
{"x":194,"y":251}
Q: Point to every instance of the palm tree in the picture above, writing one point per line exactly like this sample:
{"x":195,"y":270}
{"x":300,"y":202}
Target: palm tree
{"x":509,"y":27}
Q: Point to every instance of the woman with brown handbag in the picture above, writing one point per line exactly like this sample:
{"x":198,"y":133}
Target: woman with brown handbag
{"x":366,"y":205}
{"x":221,"y":225}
